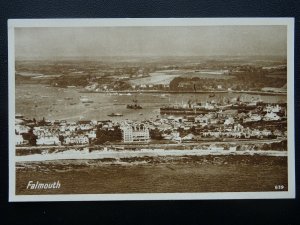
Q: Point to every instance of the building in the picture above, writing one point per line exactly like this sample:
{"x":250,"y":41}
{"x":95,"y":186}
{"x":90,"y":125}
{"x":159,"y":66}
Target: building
{"x":203,"y":120}
{"x":135,"y":133}
{"x":80,"y":139}
{"x":21,"y":129}
{"x":188,"y":137}
{"x":229,"y":121}
{"x":252,"y":118}
{"x":19,"y":140}
{"x":92,"y":134}
{"x":270,"y":116}
{"x":48,"y":140}
{"x":271,"y":108}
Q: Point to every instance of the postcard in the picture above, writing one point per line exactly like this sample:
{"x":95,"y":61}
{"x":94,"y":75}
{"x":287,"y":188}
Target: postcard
{"x":151,"y":109}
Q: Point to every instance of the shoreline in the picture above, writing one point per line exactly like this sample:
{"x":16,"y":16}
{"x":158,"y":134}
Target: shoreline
{"x":185,"y":92}
{"x":85,"y":154}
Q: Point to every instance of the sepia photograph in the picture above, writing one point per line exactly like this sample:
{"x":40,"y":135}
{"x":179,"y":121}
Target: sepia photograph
{"x":151,"y":109}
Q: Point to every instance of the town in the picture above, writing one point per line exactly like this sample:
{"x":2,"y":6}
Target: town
{"x":260,"y":122}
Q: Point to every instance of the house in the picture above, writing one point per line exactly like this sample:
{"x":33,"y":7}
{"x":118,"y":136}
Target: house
{"x":188,"y":137}
{"x":266,"y":132}
{"x":91,"y":134}
{"x":215,"y":134}
{"x":21,"y":129}
{"x":203,"y":120}
{"x":252,"y":118}
{"x":176,"y":136}
{"x":271,"y":108}
{"x":229,"y":121}
{"x":255,"y":133}
{"x":270,"y":116}
{"x":238,"y":127}
{"x":48,"y":140}
{"x":19,"y":139}
{"x":278,"y":133}
{"x":81,"y":139}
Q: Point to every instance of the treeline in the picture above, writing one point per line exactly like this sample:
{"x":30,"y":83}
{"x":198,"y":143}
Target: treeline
{"x":65,"y":81}
{"x":254,"y":81}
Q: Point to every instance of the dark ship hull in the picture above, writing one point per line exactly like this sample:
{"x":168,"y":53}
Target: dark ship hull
{"x":241,"y":108}
{"x":134,"y":107}
{"x":184,"y":111}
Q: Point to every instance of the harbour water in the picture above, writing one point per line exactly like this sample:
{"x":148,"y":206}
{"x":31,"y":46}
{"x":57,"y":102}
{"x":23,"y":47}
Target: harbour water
{"x":38,"y":101}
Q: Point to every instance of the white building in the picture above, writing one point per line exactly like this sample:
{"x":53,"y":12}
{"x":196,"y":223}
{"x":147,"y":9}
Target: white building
{"x":203,"y":120}
{"x":92,"y":134}
{"x":81,"y":139}
{"x":48,"y":140}
{"x":135,"y":133}
{"x":271,"y":108}
{"x":271,"y":116}
{"x":238,"y":128}
{"x":188,"y":137}
{"x":19,"y":140}
{"x":20,"y":129}
{"x":252,"y":118}
{"x":229,"y":121}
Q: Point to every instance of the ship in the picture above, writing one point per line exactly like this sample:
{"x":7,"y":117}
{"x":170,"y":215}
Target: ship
{"x":135,"y":105}
{"x":115,"y":114}
{"x":84,"y":99}
{"x":210,"y":106}
{"x":172,"y":110}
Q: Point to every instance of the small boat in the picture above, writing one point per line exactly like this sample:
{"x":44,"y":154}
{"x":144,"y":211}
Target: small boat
{"x":86,"y":100}
{"x":115,"y":114}
{"x":212,"y":95}
{"x":135,"y":105}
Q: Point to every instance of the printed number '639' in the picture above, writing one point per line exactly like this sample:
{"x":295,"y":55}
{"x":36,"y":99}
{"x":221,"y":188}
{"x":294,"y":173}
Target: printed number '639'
{"x":279,"y":187}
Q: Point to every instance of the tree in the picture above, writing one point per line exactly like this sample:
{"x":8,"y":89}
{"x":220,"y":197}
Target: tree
{"x":103,"y":135}
{"x":30,"y":137}
{"x":61,"y":138}
{"x":156,"y":134}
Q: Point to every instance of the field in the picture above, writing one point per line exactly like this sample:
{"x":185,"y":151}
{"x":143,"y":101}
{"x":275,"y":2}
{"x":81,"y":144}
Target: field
{"x":166,"y":76}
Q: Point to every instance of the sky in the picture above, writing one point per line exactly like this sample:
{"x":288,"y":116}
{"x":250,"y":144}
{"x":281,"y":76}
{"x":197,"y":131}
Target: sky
{"x":51,"y":42}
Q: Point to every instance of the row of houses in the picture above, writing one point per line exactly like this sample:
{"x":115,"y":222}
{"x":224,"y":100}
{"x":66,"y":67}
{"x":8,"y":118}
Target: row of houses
{"x":57,"y":133}
{"x":175,"y":128}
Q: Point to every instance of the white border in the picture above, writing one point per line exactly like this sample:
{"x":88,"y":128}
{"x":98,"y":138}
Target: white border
{"x":126,"y":22}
